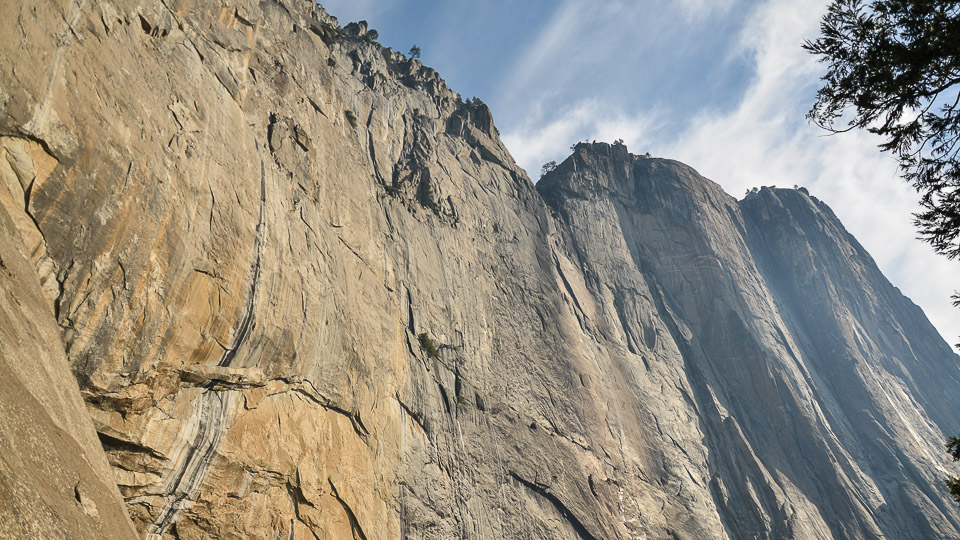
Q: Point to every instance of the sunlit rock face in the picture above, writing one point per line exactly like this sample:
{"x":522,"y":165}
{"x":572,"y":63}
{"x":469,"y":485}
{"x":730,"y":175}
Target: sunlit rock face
{"x":306,"y":292}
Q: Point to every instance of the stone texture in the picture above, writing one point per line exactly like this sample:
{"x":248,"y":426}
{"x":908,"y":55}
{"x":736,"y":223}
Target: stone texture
{"x":820,"y":394}
{"x":55,"y":481}
{"x":307,"y":293}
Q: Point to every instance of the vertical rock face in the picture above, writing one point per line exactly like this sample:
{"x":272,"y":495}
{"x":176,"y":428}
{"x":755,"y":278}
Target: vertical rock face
{"x":307,"y":292}
{"x":55,"y":481}
{"x":820,"y":393}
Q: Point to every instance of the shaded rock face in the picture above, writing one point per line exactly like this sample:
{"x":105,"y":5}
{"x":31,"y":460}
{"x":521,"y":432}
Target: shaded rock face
{"x":55,"y":481}
{"x":306,"y":292}
{"x":819,"y":394}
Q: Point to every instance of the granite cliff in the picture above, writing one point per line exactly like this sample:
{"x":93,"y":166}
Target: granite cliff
{"x":305,"y":292}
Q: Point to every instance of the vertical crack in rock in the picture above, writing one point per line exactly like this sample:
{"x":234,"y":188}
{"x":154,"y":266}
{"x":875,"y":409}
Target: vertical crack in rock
{"x":246,"y":321}
{"x":215,"y":405}
{"x":568,"y":288}
{"x":354,"y":522}
{"x":373,"y":154}
{"x":577,"y":525}
{"x":25,"y":163}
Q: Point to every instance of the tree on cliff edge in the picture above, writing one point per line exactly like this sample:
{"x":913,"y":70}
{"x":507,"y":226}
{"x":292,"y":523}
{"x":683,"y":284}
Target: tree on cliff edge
{"x":894,"y":70}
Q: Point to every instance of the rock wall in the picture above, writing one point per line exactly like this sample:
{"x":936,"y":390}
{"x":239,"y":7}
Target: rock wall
{"x":307,"y":292}
{"x":819,"y":393}
{"x":55,"y":481}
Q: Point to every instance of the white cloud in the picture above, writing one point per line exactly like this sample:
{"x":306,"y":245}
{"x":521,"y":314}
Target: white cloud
{"x":534,"y":144}
{"x":555,"y":91}
{"x":701,"y":9}
{"x":762,"y":140}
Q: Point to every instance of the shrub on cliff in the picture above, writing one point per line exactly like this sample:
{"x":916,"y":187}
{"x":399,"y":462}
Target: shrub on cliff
{"x":428,"y":346}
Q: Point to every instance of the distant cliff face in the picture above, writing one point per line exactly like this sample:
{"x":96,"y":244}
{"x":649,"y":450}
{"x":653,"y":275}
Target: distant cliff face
{"x":306,"y":292}
{"x":820,"y":393}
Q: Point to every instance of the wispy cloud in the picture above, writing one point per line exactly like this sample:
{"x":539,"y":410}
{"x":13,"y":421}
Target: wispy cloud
{"x":761,"y":138}
{"x":702,"y":9}
{"x":534,"y":144}
{"x":637,"y":66}
{"x":765,"y":141}
{"x":569,"y":83}
{"x":554,"y":44}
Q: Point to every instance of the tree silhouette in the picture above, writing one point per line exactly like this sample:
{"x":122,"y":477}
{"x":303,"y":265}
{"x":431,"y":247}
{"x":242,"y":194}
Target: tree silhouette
{"x":894,"y":70}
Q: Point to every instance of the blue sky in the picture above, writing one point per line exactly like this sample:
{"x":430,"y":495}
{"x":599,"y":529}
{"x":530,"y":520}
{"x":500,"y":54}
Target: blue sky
{"x":721,"y":85}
